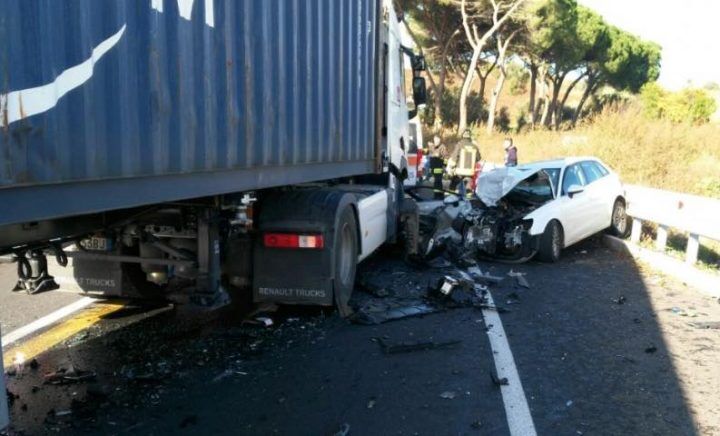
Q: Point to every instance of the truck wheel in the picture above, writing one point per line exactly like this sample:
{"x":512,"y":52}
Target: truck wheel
{"x":619,"y":222}
{"x":345,"y":260}
{"x":551,"y":242}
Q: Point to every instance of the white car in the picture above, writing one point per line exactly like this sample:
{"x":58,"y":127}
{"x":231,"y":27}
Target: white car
{"x":542,"y":207}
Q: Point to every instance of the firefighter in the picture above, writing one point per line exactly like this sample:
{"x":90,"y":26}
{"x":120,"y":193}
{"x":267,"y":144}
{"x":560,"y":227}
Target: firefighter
{"x":462,"y":162}
{"x":437,"y":166}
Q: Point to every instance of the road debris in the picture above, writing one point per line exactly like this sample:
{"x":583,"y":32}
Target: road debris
{"x":706,"y":325}
{"x":448,"y":395}
{"x":373,"y":313}
{"x":498,"y":381}
{"x":620,"y":300}
{"x":344,"y":430}
{"x":68,"y":376}
{"x":651,"y":349}
{"x":407,"y":347}
{"x":371,"y":403}
{"x":519,"y":278}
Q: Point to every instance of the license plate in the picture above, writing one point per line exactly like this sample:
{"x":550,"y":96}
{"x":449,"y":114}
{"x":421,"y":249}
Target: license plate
{"x":97,"y":243}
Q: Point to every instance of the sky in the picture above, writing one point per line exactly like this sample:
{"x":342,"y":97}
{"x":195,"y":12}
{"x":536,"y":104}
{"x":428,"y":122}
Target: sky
{"x":687,"y":30}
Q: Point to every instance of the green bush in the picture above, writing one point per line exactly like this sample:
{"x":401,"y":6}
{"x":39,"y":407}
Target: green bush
{"x":694,"y":106}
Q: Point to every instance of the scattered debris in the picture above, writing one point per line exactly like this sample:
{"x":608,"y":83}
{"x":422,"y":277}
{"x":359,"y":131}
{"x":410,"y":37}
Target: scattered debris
{"x":448,"y":395}
{"x":651,"y":349}
{"x":477,"y":274}
{"x":263,"y":321}
{"x":68,"y":376}
{"x":498,"y":381}
{"x":568,"y":403}
{"x":372,"y":314}
{"x":519,"y":278}
{"x":344,"y":430}
{"x":371,"y":403}
{"x":60,"y":413}
{"x":406,"y":347}
{"x":683,"y":312}
{"x":477,"y":424}
{"x":620,"y":300}
{"x":439,"y":263}
{"x":706,"y":325}
{"x":496,"y":308}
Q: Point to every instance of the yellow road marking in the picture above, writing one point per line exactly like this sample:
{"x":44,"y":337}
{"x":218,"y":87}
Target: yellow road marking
{"x":60,"y":332}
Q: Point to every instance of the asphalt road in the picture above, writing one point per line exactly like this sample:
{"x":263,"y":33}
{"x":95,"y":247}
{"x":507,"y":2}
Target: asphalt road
{"x":19,"y":308}
{"x":588,"y":364}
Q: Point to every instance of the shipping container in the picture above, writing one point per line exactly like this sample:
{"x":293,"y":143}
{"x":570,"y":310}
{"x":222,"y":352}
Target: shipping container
{"x":115,"y":104}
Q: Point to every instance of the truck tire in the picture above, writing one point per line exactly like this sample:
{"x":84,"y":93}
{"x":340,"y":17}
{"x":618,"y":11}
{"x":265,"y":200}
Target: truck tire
{"x":551,"y":242}
{"x":345,"y":255}
{"x":619,"y":220}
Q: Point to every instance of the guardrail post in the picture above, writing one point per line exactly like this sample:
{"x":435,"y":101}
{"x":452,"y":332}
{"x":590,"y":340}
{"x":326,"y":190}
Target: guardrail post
{"x":693,"y":246}
{"x":636,"y":230}
{"x":661,"y":240}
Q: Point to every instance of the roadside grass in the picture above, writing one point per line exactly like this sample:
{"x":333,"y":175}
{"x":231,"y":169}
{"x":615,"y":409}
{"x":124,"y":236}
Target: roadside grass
{"x":655,"y":153}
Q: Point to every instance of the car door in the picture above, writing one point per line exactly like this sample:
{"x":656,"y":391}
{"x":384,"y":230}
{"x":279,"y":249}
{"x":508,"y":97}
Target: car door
{"x":597,"y":189}
{"x":574,"y":212}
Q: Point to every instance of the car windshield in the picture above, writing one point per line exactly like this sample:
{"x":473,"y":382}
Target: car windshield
{"x":536,"y":189}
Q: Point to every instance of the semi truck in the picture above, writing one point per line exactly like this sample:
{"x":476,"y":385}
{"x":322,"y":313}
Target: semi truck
{"x":189,"y":149}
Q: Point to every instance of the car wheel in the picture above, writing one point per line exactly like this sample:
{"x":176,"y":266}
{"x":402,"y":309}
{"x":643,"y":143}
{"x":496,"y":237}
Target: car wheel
{"x":619,"y":223}
{"x":551,"y":242}
{"x":345,"y":258}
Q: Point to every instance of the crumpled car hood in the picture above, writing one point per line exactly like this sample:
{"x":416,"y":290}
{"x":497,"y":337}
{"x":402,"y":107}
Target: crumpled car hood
{"x":493,"y":185}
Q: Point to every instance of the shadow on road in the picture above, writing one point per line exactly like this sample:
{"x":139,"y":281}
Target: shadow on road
{"x":589,"y":349}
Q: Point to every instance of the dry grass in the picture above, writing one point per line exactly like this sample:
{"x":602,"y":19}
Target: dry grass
{"x":660,"y":154}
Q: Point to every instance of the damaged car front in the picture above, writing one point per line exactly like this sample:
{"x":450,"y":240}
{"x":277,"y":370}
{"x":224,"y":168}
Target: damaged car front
{"x":501,"y":224}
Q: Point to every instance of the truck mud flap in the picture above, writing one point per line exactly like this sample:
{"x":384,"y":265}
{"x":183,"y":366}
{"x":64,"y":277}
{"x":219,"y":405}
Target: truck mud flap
{"x":301,"y":276}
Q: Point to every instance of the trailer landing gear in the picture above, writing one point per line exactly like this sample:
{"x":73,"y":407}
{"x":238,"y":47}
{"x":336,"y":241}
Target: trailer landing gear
{"x":33,"y":276}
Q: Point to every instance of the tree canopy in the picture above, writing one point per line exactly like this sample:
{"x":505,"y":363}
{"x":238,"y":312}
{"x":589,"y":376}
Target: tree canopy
{"x":563,"y":46}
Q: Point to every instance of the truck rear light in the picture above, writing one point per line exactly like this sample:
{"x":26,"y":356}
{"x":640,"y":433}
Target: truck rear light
{"x":292,"y":240}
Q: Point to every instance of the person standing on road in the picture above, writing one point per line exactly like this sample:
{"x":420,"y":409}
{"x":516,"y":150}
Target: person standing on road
{"x":437,"y":166}
{"x":510,"y":153}
{"x":462,"y":162}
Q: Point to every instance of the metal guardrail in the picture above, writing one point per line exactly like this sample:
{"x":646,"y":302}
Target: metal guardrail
{"x":697,"y":216}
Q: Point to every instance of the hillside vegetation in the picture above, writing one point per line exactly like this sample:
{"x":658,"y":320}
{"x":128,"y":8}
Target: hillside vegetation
{"x":651,"y":152}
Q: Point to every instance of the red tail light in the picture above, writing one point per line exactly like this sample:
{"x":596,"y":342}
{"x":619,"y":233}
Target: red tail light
{"x":292,"y":240}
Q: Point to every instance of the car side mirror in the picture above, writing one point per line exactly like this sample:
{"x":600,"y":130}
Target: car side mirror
{"x":419,"y":91}
{"x":574,"y":189}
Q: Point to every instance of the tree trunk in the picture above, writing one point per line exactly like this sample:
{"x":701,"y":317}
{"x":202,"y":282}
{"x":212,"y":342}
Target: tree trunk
{"x":541,"y":79}
{"x":589,"y":89}
{"x":557,"y":82}
{"x":533,"y":90}
{"x":437,"y":98}
{"x":478,"y":44}
{"x":494,"y":100}
{"x":546,"y":105}
{"x":502,"y":50}
{"x":558,"y":120}
{"x":462,"y":123}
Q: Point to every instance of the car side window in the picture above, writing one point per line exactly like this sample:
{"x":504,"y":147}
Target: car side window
{"x":601,"y":168}
{"x":591,"y":170}
{"x":573,"y":176}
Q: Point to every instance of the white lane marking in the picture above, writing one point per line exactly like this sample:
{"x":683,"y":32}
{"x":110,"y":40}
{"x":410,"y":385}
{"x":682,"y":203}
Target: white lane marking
{"x":516,"y":407}
{"x":45,"y":321}
{"x":23,"y":103}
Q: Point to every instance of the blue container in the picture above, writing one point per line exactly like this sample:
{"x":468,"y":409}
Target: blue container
{"x":113,"y":104}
